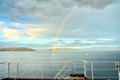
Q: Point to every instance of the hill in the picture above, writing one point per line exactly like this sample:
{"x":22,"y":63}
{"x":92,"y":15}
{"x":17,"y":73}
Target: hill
{"x":16,"y":49}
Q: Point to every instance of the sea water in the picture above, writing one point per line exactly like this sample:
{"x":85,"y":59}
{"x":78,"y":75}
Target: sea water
{"x":48,"y":56}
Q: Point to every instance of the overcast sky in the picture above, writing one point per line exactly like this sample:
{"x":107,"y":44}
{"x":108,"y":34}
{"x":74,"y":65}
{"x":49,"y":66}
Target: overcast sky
{"x":73,"y":23}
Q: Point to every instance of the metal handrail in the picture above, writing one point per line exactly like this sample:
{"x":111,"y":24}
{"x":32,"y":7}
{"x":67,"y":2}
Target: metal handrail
{"x":2,"y":62}
{"x":69,"y":68}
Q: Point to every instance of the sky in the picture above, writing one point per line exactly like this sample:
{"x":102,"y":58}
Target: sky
{"x":77,"y":24}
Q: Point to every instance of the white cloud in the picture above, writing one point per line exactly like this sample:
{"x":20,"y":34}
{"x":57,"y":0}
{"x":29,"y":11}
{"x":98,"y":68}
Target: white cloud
{"x":34,"y":32}
{"x":17,"y":25}
{"x":12,"y":33}
{"x":89,"y":41}
{"x":28,"y":33}
{"x":1,"y":24}
{"x":18,"y":30}
{"x":106,"y":39}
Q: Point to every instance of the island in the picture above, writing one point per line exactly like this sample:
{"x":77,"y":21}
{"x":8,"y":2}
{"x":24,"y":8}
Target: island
{"x":16,"y":49}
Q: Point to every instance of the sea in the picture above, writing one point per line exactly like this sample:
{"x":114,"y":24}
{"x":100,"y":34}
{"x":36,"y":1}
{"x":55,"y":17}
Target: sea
{"x":23,"y":60}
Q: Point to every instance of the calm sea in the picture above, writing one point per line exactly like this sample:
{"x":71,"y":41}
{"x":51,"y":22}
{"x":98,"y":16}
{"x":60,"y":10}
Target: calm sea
{"x":57,"y":56}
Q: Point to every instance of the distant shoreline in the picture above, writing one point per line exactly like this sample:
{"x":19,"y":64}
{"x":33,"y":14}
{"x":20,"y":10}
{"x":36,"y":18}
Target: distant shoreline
{"x":18,"y":49}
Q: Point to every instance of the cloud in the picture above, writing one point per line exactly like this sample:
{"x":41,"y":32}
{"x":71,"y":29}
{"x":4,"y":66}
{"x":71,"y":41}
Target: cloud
{"x":12,"y":33}
{"x":34,"y":32}
{"x":1,"y":24}
{"x":18,"y":30}
{"x":90,"y":19}
{"x":105,"y":39}
{"x":98,"y":4}
{"x":17,"y":26}
{"x":46,"y":8}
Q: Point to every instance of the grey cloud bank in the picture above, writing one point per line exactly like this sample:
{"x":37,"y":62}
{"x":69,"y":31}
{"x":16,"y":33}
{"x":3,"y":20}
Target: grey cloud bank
{"x":46,"y":8}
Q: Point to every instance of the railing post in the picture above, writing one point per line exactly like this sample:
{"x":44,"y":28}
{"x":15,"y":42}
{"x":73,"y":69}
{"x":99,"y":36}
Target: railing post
{"x":74,"y":67}
{"x":69,"y":68}
{"x":92,"y":72}
{"x":8,"y":69}
{"x":118,"y":68}
{"x":42,"y":74}
{"x":17,"y":70}
{"x":42,"y":71}
{"x":85,"y":68}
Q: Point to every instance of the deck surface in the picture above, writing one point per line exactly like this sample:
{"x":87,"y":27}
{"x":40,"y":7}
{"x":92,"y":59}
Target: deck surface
{"x":30,"y":79}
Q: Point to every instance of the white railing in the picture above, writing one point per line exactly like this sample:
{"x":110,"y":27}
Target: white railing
{"x":109,"y":70}
{"x":38,"y":70}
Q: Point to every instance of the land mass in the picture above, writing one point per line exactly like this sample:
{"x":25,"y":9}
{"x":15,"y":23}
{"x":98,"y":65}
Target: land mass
{"x":16,"y":49}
